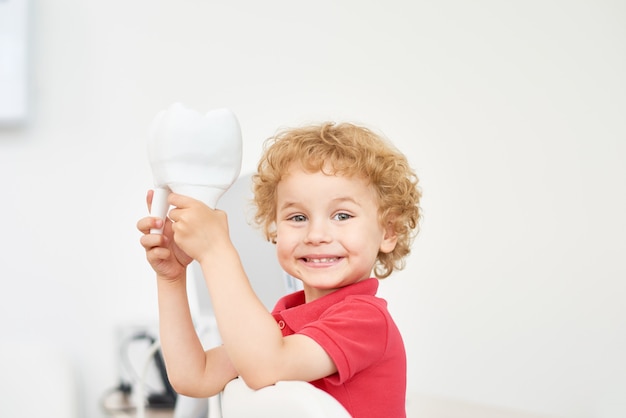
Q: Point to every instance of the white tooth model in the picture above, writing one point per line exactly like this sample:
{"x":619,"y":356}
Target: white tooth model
{"x":193,"y":155}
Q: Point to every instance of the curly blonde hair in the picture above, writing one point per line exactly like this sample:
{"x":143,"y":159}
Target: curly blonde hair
{"x":349,"y":150}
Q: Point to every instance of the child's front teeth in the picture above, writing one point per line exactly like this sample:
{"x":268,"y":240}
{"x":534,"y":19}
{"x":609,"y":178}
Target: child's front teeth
{"x":322,"y":260}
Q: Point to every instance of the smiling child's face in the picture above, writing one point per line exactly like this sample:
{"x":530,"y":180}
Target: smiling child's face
{"x":328,"y":230}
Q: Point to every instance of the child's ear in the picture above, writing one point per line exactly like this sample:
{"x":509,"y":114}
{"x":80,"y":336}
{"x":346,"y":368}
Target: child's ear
{"x":390,"y":238}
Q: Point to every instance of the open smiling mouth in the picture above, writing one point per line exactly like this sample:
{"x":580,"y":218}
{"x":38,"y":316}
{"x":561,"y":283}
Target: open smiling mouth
{"x":324,"y":260}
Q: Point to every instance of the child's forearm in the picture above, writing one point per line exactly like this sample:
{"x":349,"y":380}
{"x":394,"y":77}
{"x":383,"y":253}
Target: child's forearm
{"x":249,"y":332}
{"x":191,"y":370}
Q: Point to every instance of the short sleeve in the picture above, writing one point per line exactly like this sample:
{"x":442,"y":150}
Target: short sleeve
{"x":354,"y":333}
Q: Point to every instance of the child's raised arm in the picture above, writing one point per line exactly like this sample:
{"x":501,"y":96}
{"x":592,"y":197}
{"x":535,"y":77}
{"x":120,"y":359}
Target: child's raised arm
{"x":191,"y":371}
{"x":251,"y":336}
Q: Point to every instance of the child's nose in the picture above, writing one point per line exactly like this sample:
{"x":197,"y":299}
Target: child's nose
{"x":318,"y":232}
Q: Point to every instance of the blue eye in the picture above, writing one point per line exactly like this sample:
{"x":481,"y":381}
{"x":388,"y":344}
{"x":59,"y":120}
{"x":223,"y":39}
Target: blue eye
{"x":298,"y":218}
{"x":342,"y":216}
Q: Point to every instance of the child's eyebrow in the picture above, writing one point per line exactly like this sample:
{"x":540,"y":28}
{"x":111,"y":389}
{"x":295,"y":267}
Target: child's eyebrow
{"x":347,"y":199}
{"x":287,"y":205}
{"x":336,"y":200}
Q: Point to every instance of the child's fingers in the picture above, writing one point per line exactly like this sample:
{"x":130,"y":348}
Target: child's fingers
{"x":181,"y":201}
{"x":152,"y":241}
{"x":157,"y":254}
{"x":149,"y":222}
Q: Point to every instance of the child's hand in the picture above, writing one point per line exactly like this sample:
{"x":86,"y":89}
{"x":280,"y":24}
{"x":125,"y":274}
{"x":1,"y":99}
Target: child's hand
{"x":165,"y":257}
{"x":198,"y":229}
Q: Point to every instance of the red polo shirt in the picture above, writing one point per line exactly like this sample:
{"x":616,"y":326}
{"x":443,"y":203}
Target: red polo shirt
{"x":357,"y":331}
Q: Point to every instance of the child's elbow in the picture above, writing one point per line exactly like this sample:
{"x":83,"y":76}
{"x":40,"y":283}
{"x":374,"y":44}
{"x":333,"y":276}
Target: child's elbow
{"x":183,"y":386}
{"x":256,"y":382}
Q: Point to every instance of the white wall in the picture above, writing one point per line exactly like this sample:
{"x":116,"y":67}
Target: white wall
{"x":511,"y":112}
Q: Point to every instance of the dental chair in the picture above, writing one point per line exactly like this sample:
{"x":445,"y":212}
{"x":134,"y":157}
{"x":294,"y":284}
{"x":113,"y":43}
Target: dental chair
{"x":282,"y":400}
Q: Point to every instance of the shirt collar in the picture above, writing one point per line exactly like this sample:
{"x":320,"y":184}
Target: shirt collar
{"x":296,"y":313}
